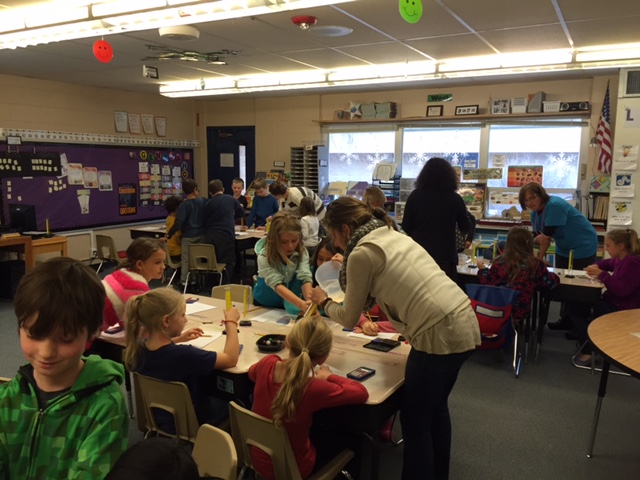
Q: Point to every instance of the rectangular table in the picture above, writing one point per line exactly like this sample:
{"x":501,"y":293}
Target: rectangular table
{"x":57,"y":243}
{"x":27,"y":247}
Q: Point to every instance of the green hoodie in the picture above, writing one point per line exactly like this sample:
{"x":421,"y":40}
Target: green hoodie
{"x":78,"y":435}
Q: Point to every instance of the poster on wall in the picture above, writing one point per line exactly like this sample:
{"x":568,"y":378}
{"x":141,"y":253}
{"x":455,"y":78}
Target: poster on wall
{"x":622,"y":184}
{"x":105,"y":181}
{"x":481,"y":174}
{"x":520,"y":175}
{"x":90,"y":177}
{"x":127,"y":199}
{"x":621,"y":213}
{"x":83,"y":199}
{"x":625,"y":157}
{"x":75,"y":174}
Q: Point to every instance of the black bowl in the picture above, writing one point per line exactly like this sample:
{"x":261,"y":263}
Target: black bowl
{"x":272,"y":342}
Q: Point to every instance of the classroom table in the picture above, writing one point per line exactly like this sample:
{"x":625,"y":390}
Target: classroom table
{"x":347,"y":354}
{"x":153,"y":231}
{"x":27,"y":247}
{"x":616,"y":336}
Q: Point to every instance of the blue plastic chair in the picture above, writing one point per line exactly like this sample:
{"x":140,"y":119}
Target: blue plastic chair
{"x":494,"y":306}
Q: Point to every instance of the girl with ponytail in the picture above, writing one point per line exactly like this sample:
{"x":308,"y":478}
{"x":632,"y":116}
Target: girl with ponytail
{"x":290,"y":391}
{"x":154,"y":325}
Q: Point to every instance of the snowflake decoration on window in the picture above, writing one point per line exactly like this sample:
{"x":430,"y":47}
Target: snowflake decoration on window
{"x":348,"y":158}
{"x":561,"y":162}
{"x":375,"y":158}
{"x":354,"y":110}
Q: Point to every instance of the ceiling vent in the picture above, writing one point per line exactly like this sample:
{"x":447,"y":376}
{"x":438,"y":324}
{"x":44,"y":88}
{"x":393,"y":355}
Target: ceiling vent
{"x":181,"y":33}
{"x":629,"y":83}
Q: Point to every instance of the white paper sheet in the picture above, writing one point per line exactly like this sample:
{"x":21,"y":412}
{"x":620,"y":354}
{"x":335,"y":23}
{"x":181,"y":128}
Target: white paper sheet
{"x":201,"y":342}
{"x":272,"y":316}
{"x":198,"y":307}
{"x":369,"y":337}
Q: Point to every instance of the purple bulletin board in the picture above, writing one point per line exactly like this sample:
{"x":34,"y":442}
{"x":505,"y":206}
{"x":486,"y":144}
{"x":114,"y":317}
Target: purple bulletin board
{"x":87,"y":196}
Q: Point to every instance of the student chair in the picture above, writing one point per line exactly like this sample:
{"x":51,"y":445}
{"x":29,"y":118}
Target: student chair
{"x":202,"y":258}
{"x":106,"y":251}
{"x":492,"y":306}
{"x":237,"y":292}
{"x":249,"y":429}
{"x":215,"y":453}
{"x":172,"y":397}
{"x":173,"y":266}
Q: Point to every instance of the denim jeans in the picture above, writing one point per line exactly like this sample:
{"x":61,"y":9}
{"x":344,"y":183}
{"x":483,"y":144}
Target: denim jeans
{"x":426,"y":424}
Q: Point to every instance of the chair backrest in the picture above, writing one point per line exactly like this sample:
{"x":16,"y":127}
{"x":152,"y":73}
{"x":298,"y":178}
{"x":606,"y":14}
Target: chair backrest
{"x":106,"y":248}
{"x":252,"y":430}
{"x":202,"y":256}
{"x":171,"y":397}
{"x":237,"y":292}
{"x":492,"y":306}
{"x":215,"y":453}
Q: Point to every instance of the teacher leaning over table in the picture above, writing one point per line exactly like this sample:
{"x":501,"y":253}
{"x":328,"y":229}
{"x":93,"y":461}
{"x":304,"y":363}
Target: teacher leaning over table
{"x":553,"y":217}
{"x":388,"y":268}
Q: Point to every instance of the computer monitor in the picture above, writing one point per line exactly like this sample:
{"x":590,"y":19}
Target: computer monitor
{"x":22,"y":217}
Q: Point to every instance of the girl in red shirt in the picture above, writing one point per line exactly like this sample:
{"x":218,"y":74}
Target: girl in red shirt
{"x":290,"y":391}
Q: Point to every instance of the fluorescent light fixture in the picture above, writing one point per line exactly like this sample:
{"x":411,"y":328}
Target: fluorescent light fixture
{"x":298,"y":78}
{"x":406,"y":69}
{"x":353,"y":73}
{"x":193,"y":86}
{"x":117,"y":7}
{"x":470,"y":63}
{"x":258,"y":81}
{"x":541,"y":57}
{"x":51,"y":16}
{"x":11,"y":21}
{"x":603,"y":55}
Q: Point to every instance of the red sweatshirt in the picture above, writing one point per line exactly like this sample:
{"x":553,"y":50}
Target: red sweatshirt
{"x":319,"y":394}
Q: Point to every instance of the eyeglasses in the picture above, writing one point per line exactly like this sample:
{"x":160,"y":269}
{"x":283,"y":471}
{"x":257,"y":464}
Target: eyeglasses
{"x":531,"y":199}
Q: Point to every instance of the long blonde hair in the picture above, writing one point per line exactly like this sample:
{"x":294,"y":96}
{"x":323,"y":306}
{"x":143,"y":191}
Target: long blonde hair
{"x":627,"y":237}
{"x":282,"y":222}
{"x":310,"y":340}
{"x":147,"y":311}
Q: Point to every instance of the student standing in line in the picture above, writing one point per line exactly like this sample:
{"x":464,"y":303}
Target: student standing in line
{"x":518,"y":269}
{"x":284,"y":277}
{"x":237,"y":186}
{"x":264,"y":205}
{"x":189,"y":222}
{"x":174,"y":244}
{"x":218,"y":216}
{"x":162,"y":314}
{"x":290,"y":391}
{"x":290,"y":198}
{"x":310,"y":225}
{"x":63,"y":415}
{"x":621,"y":277}
{"x":388,"y":268}
{"x":432,"y":212}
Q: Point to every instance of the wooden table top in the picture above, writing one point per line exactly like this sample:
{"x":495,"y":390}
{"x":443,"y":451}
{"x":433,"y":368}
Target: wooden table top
{"x":617,"y":337}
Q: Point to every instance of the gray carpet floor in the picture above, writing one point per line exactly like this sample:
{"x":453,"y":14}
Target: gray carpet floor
{"x":534,"y":427}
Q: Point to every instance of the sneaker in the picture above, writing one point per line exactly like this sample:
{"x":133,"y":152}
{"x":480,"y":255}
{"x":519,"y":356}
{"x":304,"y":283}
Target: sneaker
{"x":563,"y":323}
{"x":581,"y":363}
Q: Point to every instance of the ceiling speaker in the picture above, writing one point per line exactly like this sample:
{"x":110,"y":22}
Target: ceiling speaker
{"x":182,"y":33}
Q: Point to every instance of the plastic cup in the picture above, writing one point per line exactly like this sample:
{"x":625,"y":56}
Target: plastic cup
{"x":327,"y":276}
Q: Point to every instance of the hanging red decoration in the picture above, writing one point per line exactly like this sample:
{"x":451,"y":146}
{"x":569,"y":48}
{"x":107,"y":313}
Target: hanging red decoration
{"x":102,"y":51}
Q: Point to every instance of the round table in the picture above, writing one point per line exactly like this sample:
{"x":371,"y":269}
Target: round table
{"x":616,"y":337}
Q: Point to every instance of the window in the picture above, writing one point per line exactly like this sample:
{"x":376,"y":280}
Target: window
{"x":555,"y":148}
{"x":460,"y":146}
{"x":354,"y":155}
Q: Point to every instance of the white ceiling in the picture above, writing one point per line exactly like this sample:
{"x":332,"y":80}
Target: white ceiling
{"x":273,"y":44}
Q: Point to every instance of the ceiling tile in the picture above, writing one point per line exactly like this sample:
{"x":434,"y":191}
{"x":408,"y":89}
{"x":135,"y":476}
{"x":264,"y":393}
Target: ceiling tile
{"x":452,"y":46}
{"x":527,"y":38}
{"x":495,"y":14}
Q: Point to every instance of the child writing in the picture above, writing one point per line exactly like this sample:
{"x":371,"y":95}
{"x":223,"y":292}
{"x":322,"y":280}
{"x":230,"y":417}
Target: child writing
{"x":153,"y":321}
{"x":63,"y":415}
{"x":174,"y":245}
{"x":520,"y":270}
{"x":620,"y":274}
{"x":310,"y":224}
{"x":284,"y":277}
{"x":289,"y":392}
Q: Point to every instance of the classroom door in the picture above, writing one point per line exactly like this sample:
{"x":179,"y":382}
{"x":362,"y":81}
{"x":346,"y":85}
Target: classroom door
{"x":231,"y":154}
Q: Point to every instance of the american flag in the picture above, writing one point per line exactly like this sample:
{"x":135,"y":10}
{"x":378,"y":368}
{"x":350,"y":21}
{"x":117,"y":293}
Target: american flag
{"x":603,"y":136}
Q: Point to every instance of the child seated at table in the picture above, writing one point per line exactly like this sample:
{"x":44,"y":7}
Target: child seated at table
{"x":284,"y":277}
{"x":519,"y":269}
{"x":310,"y":225}
{"x":63,"y":415}
{"x":153,"y":320}
{"x":620,"y":274}
{"x":289,"y":392}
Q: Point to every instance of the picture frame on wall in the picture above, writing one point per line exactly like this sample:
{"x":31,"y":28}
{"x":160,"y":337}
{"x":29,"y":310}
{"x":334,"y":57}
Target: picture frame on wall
{"x":434,"y":111}
{"x":467,"y":110}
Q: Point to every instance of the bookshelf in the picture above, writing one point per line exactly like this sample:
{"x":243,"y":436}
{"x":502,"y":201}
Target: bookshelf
{"x":309,"y":167}
{"x":598,"y":210}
